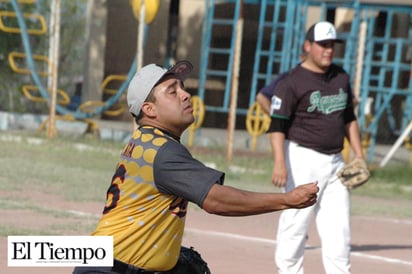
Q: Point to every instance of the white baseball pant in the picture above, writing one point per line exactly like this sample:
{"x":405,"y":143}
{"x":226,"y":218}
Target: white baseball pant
{"x":332,"y":212}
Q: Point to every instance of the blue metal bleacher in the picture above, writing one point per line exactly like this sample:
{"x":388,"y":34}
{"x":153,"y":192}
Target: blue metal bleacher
{"x":385,"y":70}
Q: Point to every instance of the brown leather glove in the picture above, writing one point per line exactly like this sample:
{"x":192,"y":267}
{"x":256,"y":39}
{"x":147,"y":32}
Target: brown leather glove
{"x":355,"y":173}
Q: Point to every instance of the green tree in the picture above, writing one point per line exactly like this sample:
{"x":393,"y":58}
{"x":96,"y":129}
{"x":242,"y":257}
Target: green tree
{"x":71,"y":52}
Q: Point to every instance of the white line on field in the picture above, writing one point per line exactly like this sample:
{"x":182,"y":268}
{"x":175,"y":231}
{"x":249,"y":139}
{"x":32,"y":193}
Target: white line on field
{"x":381,"y":259}
{"x":381,"y":219}
{"x":273,"y":242}
{"x":82,"y":213}
{"x":231,"y":235}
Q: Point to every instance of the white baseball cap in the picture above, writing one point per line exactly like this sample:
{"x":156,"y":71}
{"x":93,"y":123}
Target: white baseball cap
{"x":148,"y":77}
{"x":322,"y":31}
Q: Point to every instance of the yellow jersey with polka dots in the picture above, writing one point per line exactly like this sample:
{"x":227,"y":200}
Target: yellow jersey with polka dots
{"x":146,"y":202}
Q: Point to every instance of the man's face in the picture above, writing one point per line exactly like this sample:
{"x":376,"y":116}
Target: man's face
{"x":321,"y":53}
{"x":173,"y":109}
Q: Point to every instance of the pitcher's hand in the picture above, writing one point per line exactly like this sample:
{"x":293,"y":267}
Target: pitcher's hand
{"x":303,"y":195}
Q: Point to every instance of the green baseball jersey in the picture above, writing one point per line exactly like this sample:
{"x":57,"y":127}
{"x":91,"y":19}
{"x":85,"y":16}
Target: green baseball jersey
{"x":146,"y":202}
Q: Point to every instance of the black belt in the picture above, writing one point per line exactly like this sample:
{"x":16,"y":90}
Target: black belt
{"x":123,"y":268}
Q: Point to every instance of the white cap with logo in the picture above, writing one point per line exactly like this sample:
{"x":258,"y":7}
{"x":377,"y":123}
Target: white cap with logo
{"x":148,"y":77}
{"x":322,"y":31}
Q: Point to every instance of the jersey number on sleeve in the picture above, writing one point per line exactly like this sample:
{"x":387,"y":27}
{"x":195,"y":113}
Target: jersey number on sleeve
{"x":113,"y":192}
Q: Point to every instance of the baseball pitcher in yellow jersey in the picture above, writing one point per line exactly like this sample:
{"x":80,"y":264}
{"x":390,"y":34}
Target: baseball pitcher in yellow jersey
{"x":156,"y":177}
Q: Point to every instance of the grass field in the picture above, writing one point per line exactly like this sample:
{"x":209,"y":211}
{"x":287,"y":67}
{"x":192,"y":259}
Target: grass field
{"x":79,"y":170}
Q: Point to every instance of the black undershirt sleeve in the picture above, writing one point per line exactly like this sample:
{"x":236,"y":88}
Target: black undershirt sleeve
{"x":278,"y":125}
{"x":349,"y":115}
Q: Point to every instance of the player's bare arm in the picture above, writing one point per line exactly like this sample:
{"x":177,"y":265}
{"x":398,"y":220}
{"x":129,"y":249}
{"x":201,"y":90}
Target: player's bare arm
{"x":264,"y":103}
{"x":353,"y":135}
{"x":279,"y":175}
{"x":229,"y":201}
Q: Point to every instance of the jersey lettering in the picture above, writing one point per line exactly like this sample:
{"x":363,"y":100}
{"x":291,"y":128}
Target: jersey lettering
{"x":328,"y":104}
{"x":127,"y":152}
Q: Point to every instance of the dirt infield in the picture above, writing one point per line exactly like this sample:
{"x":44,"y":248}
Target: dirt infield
{"x":239,"y":245}
{"x":246,"y":245}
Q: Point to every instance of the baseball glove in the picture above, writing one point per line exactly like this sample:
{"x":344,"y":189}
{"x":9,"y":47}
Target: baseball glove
{"x":354,"y":174}
{"x":190,"y":262}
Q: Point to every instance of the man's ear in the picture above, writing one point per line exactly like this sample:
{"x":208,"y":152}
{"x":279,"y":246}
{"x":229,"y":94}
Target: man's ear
{"x":306,"y":46}
{"x":149,"y":109}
